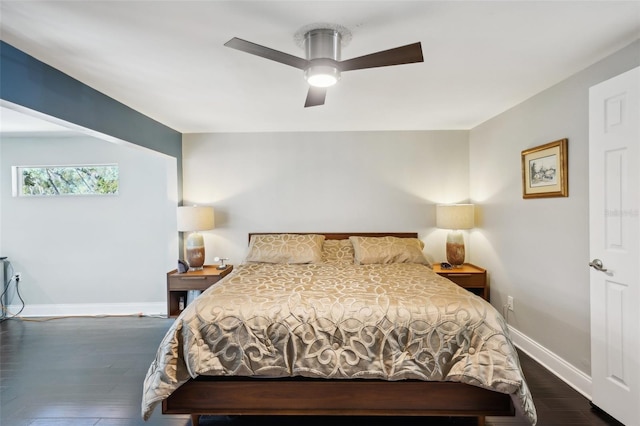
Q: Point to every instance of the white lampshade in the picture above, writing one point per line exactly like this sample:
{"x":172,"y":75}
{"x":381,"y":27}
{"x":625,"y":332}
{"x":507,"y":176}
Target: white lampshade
{"x":195,"y":218}
{"x":455,"y":216}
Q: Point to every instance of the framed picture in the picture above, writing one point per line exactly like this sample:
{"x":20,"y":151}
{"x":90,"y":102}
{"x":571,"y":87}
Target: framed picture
{"x":545,"y":170}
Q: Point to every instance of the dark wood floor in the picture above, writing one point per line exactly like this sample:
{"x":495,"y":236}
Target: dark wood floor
{"x":89,"y":371}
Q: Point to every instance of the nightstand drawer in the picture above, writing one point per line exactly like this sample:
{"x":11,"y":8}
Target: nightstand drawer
{"x":177,"y":282}
{"x":466,"y":280}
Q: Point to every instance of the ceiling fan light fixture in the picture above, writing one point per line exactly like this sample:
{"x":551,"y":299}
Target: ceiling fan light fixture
{"x":322,"y":47}
{"x":322,"y":75}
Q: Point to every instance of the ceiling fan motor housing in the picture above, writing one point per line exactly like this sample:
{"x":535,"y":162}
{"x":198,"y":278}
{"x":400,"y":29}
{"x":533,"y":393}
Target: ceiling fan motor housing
{"x":322,"y":48}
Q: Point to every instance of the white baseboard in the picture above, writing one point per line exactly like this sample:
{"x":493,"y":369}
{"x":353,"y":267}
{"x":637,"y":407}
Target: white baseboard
{"x":566,"y":372}
{"x":89,"y":309}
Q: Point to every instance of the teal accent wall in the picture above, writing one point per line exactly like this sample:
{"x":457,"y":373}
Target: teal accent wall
{"x":30,"y":83}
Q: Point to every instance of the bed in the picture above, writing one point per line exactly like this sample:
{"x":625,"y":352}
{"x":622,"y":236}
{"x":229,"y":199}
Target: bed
{"x":337,"y":324}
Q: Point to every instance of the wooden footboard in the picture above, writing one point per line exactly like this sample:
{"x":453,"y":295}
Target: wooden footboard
{"x":239,"y":396}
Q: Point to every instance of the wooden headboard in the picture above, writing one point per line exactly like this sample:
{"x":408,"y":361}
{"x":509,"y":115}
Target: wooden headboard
{"x":345,"y":235}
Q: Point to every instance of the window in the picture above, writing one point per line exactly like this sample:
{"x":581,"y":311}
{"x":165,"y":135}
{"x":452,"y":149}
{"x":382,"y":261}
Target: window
{"x":65,"y":180}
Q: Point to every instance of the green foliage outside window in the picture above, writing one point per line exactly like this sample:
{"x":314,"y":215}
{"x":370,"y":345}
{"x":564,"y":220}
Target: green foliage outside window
{"x":69,"y":180}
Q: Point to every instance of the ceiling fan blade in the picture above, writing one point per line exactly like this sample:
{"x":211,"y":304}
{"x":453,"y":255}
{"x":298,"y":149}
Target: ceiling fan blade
{"x":408,"y":54}
{"x":315,"y":96}
{"x":265,"y":52}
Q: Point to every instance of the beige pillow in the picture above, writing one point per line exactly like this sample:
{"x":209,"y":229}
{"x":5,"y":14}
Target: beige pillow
{"x":370,"y":250}
{"x":337,"y":251}
{"x":285,"y":248}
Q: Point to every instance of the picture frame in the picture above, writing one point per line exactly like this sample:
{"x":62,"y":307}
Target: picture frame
{"x":545,"y":170}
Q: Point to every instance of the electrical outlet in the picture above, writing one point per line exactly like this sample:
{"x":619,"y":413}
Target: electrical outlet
{"x":18,"y":276}
{"x":510,"y":303}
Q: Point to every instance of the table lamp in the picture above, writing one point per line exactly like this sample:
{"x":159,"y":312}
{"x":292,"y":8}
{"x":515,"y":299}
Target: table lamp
{"x":455,"y":217}
{"x":193,"y":219}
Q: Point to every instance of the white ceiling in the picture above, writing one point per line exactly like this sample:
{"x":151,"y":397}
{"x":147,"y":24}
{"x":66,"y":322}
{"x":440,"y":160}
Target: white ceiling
{"x":166,"y":59}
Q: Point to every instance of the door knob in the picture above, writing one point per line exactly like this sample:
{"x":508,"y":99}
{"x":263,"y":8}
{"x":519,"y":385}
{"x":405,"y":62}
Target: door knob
{"x":597,"y":265}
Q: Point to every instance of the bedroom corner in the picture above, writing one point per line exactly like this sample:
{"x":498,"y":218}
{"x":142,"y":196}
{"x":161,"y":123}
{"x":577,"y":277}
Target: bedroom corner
{"x":90,"y":254}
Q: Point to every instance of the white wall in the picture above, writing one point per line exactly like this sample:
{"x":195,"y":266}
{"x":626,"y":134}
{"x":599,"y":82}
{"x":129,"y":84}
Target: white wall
{"x":315,"y":182}
{"x":537,"y":250}
{"x":91,"y":254}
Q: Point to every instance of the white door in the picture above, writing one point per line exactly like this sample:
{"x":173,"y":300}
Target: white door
{"x":614,"y":188}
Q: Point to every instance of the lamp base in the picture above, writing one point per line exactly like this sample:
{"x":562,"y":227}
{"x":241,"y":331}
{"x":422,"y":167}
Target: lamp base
{"x":195,"y":251}
{"x":455,"y":249}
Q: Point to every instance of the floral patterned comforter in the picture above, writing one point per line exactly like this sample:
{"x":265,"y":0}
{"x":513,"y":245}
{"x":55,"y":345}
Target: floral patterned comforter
{"x":392,"y":322}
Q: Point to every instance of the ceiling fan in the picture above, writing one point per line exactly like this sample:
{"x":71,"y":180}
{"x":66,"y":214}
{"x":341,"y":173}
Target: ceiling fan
{"x":322,"y":66}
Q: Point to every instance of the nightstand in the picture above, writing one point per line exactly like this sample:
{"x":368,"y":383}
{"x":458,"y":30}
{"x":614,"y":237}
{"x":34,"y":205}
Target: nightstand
{"x":468,"y":276}
{"x":179,"y":284}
